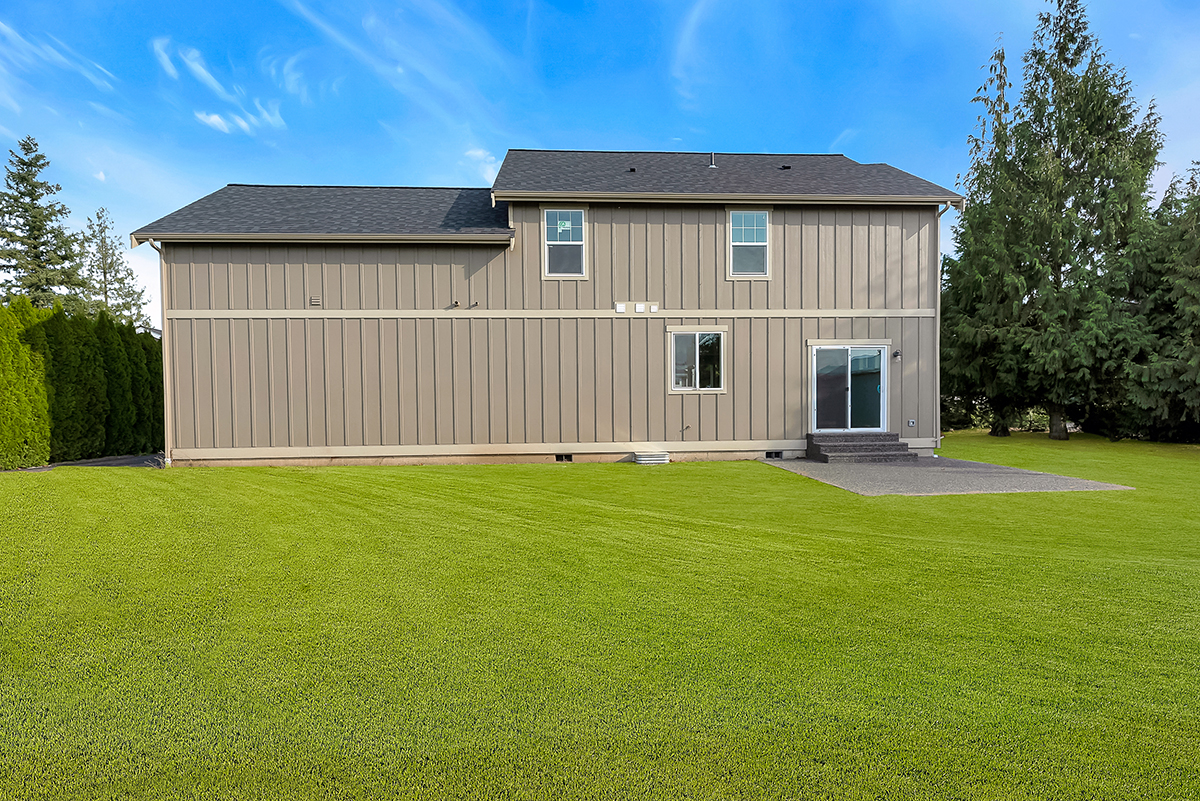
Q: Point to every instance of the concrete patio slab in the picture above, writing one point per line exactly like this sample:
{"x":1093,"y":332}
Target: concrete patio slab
{"x":933,"y":475}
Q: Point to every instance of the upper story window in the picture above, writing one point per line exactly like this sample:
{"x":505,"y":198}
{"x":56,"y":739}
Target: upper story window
{"x":748,"y":244}
{"x":564,"y":243}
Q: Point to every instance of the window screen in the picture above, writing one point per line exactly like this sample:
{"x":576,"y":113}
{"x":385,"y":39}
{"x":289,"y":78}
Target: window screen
{"x":748,"y":234}
{"x":564,"y":242}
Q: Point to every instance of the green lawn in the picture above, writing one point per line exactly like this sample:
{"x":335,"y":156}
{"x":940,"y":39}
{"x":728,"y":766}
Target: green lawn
{"x":720,"y":630}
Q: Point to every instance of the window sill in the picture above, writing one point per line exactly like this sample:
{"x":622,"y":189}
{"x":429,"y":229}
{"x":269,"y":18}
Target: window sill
{"x":564,"y":277}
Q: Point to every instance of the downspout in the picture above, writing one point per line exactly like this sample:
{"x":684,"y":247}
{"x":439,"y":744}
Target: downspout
{"x":937,"y":352}
{"x":511,"y":226}
{"x":164,"y":344}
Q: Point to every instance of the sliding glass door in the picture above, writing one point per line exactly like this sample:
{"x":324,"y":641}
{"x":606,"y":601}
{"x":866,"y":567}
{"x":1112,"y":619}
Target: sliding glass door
{"x":848,"y":388}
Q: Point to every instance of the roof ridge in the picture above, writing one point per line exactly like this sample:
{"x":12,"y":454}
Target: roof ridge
{"x":360,"y":186}
{"x":669,"y":152}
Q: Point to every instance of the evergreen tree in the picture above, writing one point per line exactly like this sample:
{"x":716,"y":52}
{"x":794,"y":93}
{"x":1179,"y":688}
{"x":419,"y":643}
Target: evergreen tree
{"x":985,"y":323}
{"x":121,"y":417}
{"x":79,"y":397}
{"x":111,"y":284}
{"x":62,"y":364}
{"x":154,"y":366}
{"x":91,"y":389}
{"x":1165,"y":376}
{"x":24,"y":419}
{"x":33,"y":334}
{"x":140,"y":389}
{"x":39,"y":255}
{"x":1061,"y":181}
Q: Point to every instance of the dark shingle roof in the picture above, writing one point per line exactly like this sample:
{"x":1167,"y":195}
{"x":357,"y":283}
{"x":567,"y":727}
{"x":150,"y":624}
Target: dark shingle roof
{"x":608,"y":173}
{"x":385,"y":211}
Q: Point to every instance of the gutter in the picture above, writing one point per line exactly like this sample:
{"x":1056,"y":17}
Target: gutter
{"x":665,"y":197}
{"x":139,"y":237}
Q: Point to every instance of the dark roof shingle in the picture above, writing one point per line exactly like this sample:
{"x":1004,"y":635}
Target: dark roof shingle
{"x":587,"y":172}
{"x":241,"y":209}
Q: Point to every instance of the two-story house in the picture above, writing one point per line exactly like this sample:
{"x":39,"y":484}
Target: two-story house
{"x":590,"y":305}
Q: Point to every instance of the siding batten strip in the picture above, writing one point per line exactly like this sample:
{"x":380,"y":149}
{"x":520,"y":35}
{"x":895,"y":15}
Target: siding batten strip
{"x":545,"y":314}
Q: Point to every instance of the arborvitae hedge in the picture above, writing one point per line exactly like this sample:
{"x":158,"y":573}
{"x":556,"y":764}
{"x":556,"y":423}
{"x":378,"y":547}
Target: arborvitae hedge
{"x":75,"y":388}
{"x":24,"y":416}
{"x":118,"y":427}
{"x":140,"y":391}
{"x":157,"y":408}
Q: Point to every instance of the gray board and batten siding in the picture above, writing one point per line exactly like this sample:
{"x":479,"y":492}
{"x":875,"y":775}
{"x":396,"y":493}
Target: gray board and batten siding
{"x":393,"y":350}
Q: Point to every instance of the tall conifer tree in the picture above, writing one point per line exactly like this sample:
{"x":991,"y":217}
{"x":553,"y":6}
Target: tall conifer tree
{"x":1041,"y":286}
{"x":1165,"y":376}
{"x":111,"y":284}
{"x":40,"y":256}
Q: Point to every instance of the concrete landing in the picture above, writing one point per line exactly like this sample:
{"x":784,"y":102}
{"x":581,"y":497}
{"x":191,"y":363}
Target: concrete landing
{"x":933,"y":475}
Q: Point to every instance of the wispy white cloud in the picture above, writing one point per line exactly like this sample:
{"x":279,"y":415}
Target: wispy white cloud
{"x":244,"y":121}
{"x":213,"y":121}
{"x":105,"y":111}
{"x":241,"y":123}
{"x":85,"y":67}
{"x":237,"y":117}
{"x":388,"y":71}
{"x":164,"y":58}
{"x":193,"y":59}
{"x":453,"y":25}
{"x":687,"y":58}
{"x":269,"y":115}
{"x":311,"y":75}
{"x":286,"y":72}
{"x":844,"y":138}
{"x":27,"y":54}
{"x":6,"y":94}
{"x":100,"y":176}
{"x":484,"y":162}
{"x":433,"y":55}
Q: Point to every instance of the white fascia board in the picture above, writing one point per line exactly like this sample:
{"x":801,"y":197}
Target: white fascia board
{"x":652,"y":197}
{"x":499,"y":239}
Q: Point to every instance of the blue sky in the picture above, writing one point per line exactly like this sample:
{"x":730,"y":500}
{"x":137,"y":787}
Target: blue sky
{"x":143,"y":107}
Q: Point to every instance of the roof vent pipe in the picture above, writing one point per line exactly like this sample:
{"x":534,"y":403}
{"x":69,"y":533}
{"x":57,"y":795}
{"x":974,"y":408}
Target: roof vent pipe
{"x":712,"y":161}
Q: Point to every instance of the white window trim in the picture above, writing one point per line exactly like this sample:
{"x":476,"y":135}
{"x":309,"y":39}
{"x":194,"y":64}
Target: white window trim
{"x":729,"y":246}
{"x":672,"y":331}
{"x":583,"y":260}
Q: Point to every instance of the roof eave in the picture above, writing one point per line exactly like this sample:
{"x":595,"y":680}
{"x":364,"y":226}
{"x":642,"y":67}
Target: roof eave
{"x":666,"y":197}
{"x":138,"y":237}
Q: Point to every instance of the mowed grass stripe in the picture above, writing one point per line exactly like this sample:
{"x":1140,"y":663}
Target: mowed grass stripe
{"x":706,"y":630}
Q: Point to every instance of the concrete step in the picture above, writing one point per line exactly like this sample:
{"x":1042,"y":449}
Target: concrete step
{"x":863,"y":457}
{"x":855,"y":436}
{"x":857,"y":447}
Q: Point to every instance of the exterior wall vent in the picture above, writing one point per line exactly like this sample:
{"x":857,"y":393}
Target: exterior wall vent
{"x":562,"y":457}
{"x":314,"y":300}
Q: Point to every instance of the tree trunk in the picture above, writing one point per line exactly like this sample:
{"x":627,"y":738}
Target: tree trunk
{"x":999,"y":427}
{"x":1058,"y":422}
